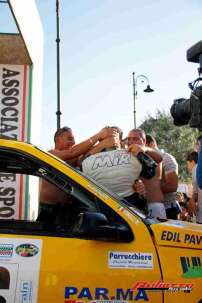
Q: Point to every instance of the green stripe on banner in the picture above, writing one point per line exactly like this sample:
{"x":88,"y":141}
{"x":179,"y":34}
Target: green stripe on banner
{"x":29,"y":108}
{"x":28,"y":118}
{"x":26,"y":198}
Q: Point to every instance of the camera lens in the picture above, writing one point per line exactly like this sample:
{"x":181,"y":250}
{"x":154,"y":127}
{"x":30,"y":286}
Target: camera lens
{"x":181,"y":111}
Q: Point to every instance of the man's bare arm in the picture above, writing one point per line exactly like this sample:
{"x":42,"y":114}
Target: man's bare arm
{"x":192,"y":204}
{"x":154,"y":154}
{"x":136,"y":149}
{"x":170,"y":182}
{"x":82,"y":147}
{"x":105,"y":144}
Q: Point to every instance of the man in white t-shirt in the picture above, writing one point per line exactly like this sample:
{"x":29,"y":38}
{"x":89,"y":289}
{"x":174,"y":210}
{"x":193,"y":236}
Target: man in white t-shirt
{"x":117,"y":170}
{"x":169,"y":185}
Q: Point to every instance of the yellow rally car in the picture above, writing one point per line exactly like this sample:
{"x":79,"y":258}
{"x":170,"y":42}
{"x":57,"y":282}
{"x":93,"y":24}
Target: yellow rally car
{"x":107,"y":252}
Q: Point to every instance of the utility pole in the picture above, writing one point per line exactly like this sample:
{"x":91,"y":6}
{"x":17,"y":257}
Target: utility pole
{"x":58,"y":112}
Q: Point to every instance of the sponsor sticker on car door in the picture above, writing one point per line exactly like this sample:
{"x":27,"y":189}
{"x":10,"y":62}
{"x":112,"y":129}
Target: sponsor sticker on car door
{"x":19,"y":270}
{"x":130,"y":260}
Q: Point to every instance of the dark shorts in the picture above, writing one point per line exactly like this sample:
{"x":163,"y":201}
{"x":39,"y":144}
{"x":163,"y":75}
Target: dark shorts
{"x":138,"y":201}
{"x":172,"y":213}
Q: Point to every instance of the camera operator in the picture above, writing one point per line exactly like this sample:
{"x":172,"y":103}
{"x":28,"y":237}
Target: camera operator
{"x":199,"y":184}
{"x":199,"y":164}
{"x":186,"y":111}
{"x":199,"y":167}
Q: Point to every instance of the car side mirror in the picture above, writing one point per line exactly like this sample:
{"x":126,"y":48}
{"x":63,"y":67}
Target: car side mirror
{"x":95,"y":226}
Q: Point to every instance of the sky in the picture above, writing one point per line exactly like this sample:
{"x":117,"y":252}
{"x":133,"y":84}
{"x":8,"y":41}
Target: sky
{"x":102,"y":44}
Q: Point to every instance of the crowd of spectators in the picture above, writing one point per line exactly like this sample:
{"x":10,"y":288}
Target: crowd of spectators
{"x":133,"y":168}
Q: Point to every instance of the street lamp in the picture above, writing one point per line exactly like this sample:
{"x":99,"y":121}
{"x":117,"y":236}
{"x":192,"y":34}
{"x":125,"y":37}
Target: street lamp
{"x":148,"y":89}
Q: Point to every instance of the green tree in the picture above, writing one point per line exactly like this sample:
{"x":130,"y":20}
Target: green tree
{"x":178,"y":141}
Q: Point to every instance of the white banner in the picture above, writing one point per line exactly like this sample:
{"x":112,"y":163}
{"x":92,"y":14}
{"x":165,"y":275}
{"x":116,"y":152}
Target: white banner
{"x":15,"y":108}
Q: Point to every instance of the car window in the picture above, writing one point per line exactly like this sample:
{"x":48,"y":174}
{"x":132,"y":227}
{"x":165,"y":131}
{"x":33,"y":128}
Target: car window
{"x":56,"y":213}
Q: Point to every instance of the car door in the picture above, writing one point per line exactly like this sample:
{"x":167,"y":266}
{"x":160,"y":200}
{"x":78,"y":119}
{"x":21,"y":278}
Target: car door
{"x":180,"y":243}
{"x":103,"y":255}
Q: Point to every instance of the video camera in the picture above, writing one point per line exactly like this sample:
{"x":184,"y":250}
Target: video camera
{"x":186,"y":111}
